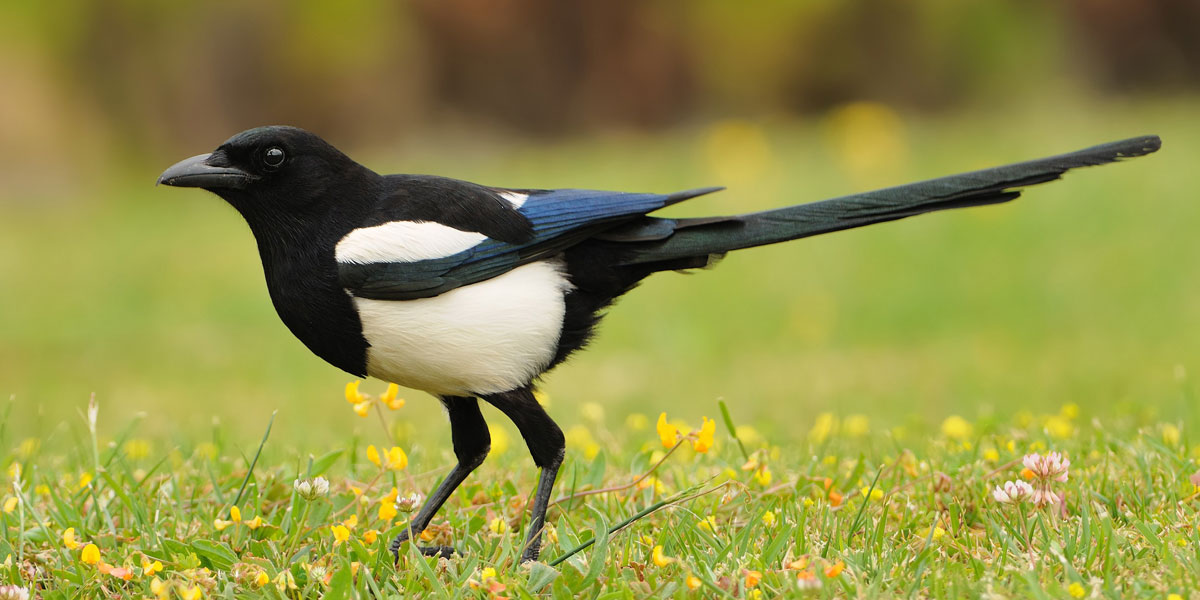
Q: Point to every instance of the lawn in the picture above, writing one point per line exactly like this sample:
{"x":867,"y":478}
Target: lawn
{"x":882,"y":381}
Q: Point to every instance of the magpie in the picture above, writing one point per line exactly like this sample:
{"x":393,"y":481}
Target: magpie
{"x":472,"y":292}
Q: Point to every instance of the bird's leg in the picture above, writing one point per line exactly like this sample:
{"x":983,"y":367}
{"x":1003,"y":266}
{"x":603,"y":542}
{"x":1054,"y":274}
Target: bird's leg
{"x":546,"y":445}
{"x":471,"y":444}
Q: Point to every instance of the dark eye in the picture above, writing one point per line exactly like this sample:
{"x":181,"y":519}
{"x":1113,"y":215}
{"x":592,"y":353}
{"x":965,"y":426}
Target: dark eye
{"x":273,"y":157}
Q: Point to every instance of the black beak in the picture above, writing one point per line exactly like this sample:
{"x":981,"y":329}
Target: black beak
{"x":197,"y":172}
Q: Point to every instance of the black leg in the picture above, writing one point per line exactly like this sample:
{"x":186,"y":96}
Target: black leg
{"x":471,"y":444}
{"x":546,"y":444}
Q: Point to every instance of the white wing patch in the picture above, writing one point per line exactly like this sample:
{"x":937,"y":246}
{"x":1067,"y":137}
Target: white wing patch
{"x":404,"y":241}
{"x":487,"y":337}
{"x":517,"y":200}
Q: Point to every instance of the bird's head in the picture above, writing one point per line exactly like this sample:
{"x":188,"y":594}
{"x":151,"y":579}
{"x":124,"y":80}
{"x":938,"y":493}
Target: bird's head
{"x":270,"y":171}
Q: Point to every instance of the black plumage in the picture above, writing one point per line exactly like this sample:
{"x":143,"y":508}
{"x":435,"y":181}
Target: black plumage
{"x":374,"y":273}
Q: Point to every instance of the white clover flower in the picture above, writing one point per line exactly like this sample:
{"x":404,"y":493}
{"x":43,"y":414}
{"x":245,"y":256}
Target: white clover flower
{"x":409,"y":503}
{"x":13,"y":592}
{"x":1045,"y":497}
{"x":1013,"y":491}
{"x":311,"y":489}
{"x":1052,"y":466}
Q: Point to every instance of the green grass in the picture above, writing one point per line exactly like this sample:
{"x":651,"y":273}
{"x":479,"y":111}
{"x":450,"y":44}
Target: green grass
{"x":1086,"y":292}
{"x":905,"y":512}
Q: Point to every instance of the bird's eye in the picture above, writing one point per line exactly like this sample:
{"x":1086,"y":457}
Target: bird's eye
{"x":273,"y":157}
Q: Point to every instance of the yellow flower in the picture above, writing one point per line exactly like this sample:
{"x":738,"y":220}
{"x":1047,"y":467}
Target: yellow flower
{"x":28,"y":447}
{"x":500,"y":439}
{"x":353,"y":396}
{"x":704,"y":438}
{"x":150,"y":568}
{"x":769,"y":519}
{"x":90,"y":554}
{"x":497,"y":525}
{"x":235,"y":514}
{"x":875,"y":494}
{"x":393,"y":458}
{"x":255,"y":523}
{"x":194,"y":592}
{"x":1059,"y":427}
{"x":370,"y":535}
{"x":1170,"y":435}
{"x":352,"y":522}
{"x":10,"y":504}
{"x":389,"y":398}
{"x":137,"y":449}
{"x":397,"y":460}
{"x":659,"y":558}
{"x":636,"y":421}
{"x":340,"y":533}
{"x":206,"y":450}
{"x":68,"y":539}
{"x":42,"y":490}
{"x":1174,"y":597}
{"x":799,"y":564}
{"x":957,"y":428}
{"x":856,"y":425}
{"x":753,"y":578}
{"x":825,"y":425}
{"x":362,"y":409}
{"x":1070,"y":410}
{"x":1076,"y":590}
{"x":991,"y":455}
{"x":487,"y":577}
{"x":936,"y":534}
{"x":835,"y":569}
{"x":84,"y":479}
{"x":14,"y":471}
{"x":693,"y":583}
{"x":285,"y":581}
{"x":262,"y":579}
{"x":387,"y":506}
{"x":669,"y":434}
{"x":708,"y":524}
{"x":160,"y":588}
{"x":221,"y":524}
{"x":763,"y":476}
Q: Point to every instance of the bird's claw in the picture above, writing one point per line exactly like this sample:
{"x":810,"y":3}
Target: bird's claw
{"x":438,"y":551}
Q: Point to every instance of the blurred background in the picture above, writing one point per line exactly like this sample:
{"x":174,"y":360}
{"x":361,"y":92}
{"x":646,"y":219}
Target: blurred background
{"x":1086,"y":291}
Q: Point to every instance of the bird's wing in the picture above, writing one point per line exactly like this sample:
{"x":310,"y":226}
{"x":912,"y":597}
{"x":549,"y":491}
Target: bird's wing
{"x":438,"y":234}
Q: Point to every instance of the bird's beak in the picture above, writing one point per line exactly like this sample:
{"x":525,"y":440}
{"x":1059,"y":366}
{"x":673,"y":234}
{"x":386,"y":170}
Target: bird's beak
{"x":198,"y":172}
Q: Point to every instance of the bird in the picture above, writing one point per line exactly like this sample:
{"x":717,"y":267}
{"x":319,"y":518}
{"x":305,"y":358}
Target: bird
{"x":472,"y":292}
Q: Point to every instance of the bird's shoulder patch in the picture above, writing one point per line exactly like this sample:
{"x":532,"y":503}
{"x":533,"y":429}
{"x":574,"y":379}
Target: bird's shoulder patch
{"x":405,"y":242}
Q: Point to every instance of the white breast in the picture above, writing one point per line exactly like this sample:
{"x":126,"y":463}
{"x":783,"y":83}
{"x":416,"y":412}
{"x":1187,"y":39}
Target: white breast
{"x":487,"y":337}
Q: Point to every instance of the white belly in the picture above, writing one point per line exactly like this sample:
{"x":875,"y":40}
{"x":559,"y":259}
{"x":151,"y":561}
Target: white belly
{"x":487,"y":337}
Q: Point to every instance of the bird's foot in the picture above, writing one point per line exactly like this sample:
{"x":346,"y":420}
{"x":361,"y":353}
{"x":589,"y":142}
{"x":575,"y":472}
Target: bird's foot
{"x":439,"y":551}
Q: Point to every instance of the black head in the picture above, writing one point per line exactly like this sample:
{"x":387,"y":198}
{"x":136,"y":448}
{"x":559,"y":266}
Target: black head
{"x":273,"y":170}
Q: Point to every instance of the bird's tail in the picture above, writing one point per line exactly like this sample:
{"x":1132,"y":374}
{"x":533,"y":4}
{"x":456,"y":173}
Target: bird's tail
{"x":681,"y":243}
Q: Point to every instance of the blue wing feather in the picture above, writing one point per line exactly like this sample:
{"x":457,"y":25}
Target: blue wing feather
{"x":560,"y":219}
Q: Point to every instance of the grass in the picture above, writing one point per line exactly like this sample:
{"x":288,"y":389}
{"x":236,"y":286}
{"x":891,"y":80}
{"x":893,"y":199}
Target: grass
{"x":1064,"y":321}
{"x":847,"y":509}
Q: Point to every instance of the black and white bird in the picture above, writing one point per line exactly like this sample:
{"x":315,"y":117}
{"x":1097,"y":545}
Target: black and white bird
{"x":472,"y":292}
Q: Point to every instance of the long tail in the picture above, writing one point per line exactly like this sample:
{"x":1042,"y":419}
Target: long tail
{"x":677,"y":243}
